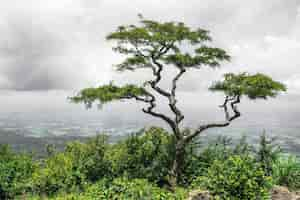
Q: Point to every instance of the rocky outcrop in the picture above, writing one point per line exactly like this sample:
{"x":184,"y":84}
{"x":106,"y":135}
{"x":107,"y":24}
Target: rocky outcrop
{"x":277,"y":193}
{"x":283,"y":193}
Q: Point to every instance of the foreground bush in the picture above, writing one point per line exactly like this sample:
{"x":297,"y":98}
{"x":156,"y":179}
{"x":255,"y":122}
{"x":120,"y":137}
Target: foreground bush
{"x":235,"y":179}
{"x":72,"y":169}
{"x":144,"y":155}
{"x":58,"y":174}
{"x":267,"y":154}
{"x":140,"y":164}
{"x":15,"y":169}
{"x":286,"y":172}
{"x":123,"y":189}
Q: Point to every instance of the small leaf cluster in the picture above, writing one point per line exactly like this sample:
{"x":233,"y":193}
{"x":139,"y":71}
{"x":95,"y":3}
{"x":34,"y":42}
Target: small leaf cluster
{"x":204,"y":56}
{"x":108,"y":93}
{"x":253,"y":86}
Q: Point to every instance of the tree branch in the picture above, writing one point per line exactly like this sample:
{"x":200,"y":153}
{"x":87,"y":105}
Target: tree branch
{"x":150,"y":111}
{"x":233,"y":101}
{"x":172,"y":99}
{"x":157,"y":74}
{"x":164,"y":49}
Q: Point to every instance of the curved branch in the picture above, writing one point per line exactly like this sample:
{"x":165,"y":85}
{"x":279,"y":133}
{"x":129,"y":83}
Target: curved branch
{"x":157,"y":74}
{"x":150,"y":111}
{"x":172,"y":100}
{"x":164,"y":49}
{"x":137,"y":98}
{"x":235,"y":100}
{"x":170,"y":95}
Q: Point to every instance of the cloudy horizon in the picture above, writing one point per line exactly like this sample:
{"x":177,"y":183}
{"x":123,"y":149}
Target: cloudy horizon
{"x":51,"y":49}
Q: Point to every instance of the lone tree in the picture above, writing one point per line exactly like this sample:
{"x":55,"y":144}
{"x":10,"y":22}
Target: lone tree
{"x":158,"y":46}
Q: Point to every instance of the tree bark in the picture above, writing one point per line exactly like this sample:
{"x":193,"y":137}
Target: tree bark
{"x":178,"y":163}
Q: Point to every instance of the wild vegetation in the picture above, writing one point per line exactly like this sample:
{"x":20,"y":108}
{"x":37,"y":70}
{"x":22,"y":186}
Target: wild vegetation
{"x":138,"y":168}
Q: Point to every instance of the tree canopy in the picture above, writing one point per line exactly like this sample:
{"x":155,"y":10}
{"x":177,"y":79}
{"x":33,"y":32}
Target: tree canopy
{"x":256,"y":86}
{"x":108,"y":93}
{"x":154,"y":41}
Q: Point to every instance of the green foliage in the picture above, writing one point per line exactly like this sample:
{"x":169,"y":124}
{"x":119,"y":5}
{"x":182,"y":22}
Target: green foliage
{"x":132,"y":190}
{"x":199,"y":161}
{"x":267,"y":154}
{"x":286,"y":172}
{"x":152,"y":40}
{"x":71,"y":169}
{"x":108,"y":93}
{"x":144,"y":155}
{"x":253,"y":86}
{"x":15,"y":169}
{"x":146,"y":46}
{"x":204,"y":56}
{"x":238,"y":178}
{"x":123,"y":189}
{"x":139,"y":167}
{"x":59,"y":173}
{"x":90,"y":157}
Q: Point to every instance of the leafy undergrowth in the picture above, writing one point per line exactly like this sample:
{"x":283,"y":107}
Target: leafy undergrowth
{"x":121,"y":189}
{"x":138,"y":168}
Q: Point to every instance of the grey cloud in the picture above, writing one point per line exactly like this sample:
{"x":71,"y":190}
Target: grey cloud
{"x":61,"y":45}
{"x":27,"y":53}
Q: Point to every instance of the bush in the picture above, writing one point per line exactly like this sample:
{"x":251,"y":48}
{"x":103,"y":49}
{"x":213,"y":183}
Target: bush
{"x":89,"y":158}
{"x":72,"y":169}
{"x":15,"y":169}
{"x":123,"y":189}
{"x":59,"y":173}
{"x":134,"y":189}
{"x":286,"y":172}
{"x":267,"y":154}
{"x":238,"y":178}
{"x":146,"y":155}
{"x":197,"y":163}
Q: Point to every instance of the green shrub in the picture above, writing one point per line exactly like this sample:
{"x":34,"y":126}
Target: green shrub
{"x":286,"y":172}
{"x":267,"y":154}
{"x":89,"y":158}
{"x":238,"y":178}
{"x":72,"y":169}
{"x":15,"y":169}
{"x":198,"y":162}
{"x":146,"y":155}
{"x":59,"y":173}
{"x":122,"y":189}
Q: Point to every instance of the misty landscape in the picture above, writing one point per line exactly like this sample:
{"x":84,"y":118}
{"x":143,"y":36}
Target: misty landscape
{"x":125,"y":100}
{"x":32,"y":130}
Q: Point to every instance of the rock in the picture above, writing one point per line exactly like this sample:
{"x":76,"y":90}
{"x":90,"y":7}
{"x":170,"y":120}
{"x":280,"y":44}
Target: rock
{"x":277,"y":193}
{"x":283,"y":193}
{"x":199,"y":195}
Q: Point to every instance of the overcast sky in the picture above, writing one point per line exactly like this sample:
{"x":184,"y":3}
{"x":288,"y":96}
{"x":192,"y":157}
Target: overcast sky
{"x":54,"y":48}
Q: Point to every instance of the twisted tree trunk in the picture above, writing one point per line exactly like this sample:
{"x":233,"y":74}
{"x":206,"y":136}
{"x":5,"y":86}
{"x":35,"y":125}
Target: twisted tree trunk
{"x":178,"y":163}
